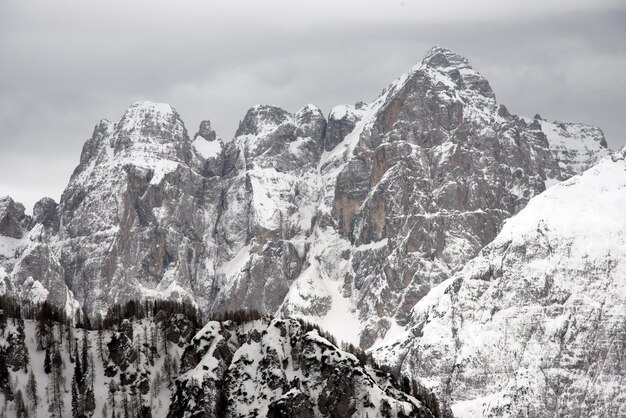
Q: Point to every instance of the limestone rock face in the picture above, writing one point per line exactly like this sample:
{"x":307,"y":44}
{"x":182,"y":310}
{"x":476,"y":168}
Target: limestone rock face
{"x":13,"y":220}
{"x":425,"y":179}
{"x":534,"y":325}
{"x":206,"y":132}
{"x":133,"y":216}
{"x":341,"y":121}
{"x":29,"y":268}
{"x":269,"y":198}
{"x":45,"y":213}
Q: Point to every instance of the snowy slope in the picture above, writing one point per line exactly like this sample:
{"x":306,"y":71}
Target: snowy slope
{"x":265,"y":367}
{"x":535,"y":325}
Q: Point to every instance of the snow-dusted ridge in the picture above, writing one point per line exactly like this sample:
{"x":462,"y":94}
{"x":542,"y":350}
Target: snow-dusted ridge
{"x":536,"y":323}
{"x":280,"y":368}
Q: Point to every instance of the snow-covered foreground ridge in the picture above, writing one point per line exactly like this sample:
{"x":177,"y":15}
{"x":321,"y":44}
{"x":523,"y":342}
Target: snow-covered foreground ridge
{"x":146,"y":362}
{"x":284,"y":368}
{"x":535,"y":325}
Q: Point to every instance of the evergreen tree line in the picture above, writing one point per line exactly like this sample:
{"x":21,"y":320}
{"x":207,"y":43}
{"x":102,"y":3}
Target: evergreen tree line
{"x":11,"y":307}
{"x":238,"y":316}
{"x":138,"y":310}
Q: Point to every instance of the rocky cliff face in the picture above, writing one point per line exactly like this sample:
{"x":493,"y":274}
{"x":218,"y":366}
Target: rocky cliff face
{"x":29,"y":268}
{"x":347,"y":220}
{"x":269,"y":195}
{"x":132,"y":219}
{"x":278,"y":368}
{"x":536,"y":324}
{"x":424,"y":180}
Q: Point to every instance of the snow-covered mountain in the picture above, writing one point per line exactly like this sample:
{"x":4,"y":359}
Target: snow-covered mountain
{"x":347,"y":221}
{"x":356,"y":217}
{"x":536,"y":324}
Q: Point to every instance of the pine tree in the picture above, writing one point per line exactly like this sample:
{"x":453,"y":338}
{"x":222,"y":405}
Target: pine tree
{"x":85,"y":349}
{"x":42,"y":332}
{"x":125,"y":406}
{"x":75,"y":400}
{"x":154,"y":337}
{"x":3,"y":321}
{"x":156,"y":384}
{"x":90,"y":402}
{"x":165,"y":347}
{"x":5,"y":383}
{"x":79,"y":376}
{"x":31,"y":389}
{"x":146,"y":346}
{"x":17,"y":346}
{"x":20,"y":406}
{"x":100,"y":344}
{"x":111,"y":396}
{"x":47,"y":364}
{"x":166,"y":368}
{"x":57,"y":360}
{"x":70,"y":340}
{"x":61,"y":332}
{"x":92,"y":370}
{"x":78,"y":386}
{"x":55,"y":384}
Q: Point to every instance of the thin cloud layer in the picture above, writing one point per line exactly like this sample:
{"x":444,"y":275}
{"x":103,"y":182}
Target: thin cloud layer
{"x":68,"y":64}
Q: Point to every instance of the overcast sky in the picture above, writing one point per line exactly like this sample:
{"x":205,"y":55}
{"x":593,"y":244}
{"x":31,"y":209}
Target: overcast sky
{"x":64,"y":65}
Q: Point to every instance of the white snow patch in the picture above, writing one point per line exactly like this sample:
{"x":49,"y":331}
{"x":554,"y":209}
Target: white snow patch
{"x":338,"y":112}
{"x":207,"y":149}
{"x":373,"y":245}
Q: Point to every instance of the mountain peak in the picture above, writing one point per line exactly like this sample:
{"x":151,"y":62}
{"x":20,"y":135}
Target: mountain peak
{"x":145,"y":122}
{"x":146,"y":105}
{"x":457,"y":69}
{"x":148,"y":116}
{"x":205,"y":131}
{"x":262,"y":117}
{"x":438,"y":56}
{"x":12,"y":215}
